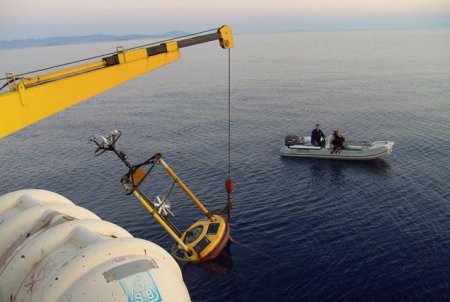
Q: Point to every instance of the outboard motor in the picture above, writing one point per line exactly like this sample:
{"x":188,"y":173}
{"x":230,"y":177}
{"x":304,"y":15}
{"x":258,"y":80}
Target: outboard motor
{"x":291,"y":139}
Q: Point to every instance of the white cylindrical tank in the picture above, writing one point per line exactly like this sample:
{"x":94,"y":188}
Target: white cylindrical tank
{"x":53,"y":250}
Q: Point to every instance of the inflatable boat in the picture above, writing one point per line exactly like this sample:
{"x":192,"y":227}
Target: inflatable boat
{"x":352,"y":150}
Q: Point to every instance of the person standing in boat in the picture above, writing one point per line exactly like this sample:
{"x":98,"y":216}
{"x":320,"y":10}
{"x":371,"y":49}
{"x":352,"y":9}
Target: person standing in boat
{"x":316,"y":137}
{"x":338,"y":141}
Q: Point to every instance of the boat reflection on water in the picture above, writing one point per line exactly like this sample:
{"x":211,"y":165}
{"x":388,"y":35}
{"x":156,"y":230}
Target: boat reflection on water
{"x":377,"y":166}
{"x":326,"y":173}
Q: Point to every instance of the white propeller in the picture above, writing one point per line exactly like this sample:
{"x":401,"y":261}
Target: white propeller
{"x":163,"y":206}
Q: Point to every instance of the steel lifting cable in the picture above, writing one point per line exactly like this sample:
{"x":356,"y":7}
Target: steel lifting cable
{"x":229,"y":183}
{"x":229,"y":113}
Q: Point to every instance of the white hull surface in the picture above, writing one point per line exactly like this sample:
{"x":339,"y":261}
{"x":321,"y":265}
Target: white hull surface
{"x":52,"y":250}
{"x":353,"y":151}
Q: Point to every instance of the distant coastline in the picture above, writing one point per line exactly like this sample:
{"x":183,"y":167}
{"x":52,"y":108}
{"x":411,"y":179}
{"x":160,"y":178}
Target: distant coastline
{"x":54,"y":41}
{"x":96,"y":38}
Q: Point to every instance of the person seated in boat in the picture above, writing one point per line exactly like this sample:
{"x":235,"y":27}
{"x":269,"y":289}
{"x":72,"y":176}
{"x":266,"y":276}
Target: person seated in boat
{"x":338,"y":140}
{"x":316,"y":137}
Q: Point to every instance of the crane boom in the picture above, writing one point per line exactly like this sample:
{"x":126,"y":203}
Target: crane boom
{"x":35,"y":98}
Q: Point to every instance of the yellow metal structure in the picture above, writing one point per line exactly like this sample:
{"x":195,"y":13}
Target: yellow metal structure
{"x":184,"y":187}
{"x":151,"y":209}
{"x":203,"y":240}
{"x":35,"y":98}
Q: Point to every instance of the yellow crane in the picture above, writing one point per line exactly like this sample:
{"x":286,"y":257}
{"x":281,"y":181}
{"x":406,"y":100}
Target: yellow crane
{"x":32,"y":99}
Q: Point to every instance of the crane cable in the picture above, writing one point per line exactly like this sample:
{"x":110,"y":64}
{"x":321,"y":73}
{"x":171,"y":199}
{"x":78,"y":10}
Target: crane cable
{"x":229,"y":183}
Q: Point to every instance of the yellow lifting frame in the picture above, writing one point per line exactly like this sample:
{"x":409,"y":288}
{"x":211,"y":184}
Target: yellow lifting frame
{"x":161,"y":221}
{"x":186,"y":190}
{"x":33,"y":99}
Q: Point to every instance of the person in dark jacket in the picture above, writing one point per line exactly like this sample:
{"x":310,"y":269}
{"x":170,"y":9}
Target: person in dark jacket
{"x":338,"y":140}
{"x":316,"y":136}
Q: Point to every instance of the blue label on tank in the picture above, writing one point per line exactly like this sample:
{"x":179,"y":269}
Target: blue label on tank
{"x":140,"y":288}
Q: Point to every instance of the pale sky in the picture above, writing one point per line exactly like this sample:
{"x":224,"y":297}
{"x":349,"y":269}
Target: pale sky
{"x":20,"y":19}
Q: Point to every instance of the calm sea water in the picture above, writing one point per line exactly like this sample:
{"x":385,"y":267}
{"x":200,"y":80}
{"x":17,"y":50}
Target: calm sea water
{"x":305,"y":230}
